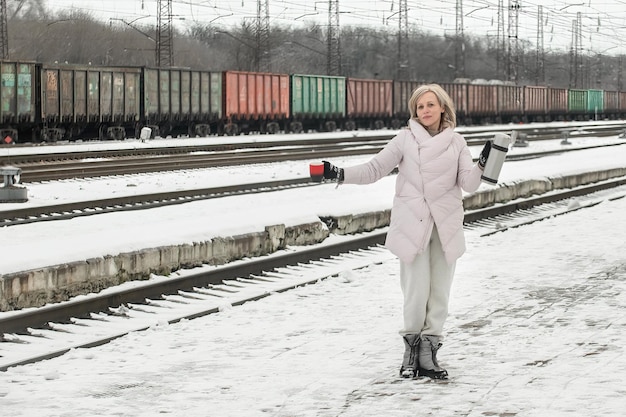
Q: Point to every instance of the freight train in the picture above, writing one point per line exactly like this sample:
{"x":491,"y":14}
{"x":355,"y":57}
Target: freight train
{"x":50,"y":102}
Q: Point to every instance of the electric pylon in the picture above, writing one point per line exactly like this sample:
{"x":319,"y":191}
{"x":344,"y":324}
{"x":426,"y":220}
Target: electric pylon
{"x":164,"y":36}
{"x":262,"y":52}
{"x":333,"y":64}
{"x":576,"y":59}
{"x":513,"y":47}
{"x":4,"y":32}
{"x":540,"y":75}
{"x":403,"y":42}
{"x":459,"y":43}
{"x":500,"y":43}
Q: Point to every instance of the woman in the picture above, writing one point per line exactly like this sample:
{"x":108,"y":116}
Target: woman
{"x":426,"y":229}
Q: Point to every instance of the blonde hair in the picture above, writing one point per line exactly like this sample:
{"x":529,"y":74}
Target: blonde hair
{"x":448,"y":118}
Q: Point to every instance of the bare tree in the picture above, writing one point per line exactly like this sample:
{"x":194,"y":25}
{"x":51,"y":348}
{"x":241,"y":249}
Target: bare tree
{"x":29,"y":9}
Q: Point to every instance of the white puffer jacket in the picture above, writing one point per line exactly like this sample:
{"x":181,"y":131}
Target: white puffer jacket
{"x":432,"y":173}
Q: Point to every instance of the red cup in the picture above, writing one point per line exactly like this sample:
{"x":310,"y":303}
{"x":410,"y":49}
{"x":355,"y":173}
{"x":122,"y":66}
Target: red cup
{"x":316,"y":170}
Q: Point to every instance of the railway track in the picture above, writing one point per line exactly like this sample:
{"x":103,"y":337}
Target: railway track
{"x":17,"y":216}
{"x":90,"y":167}
{"x":37,"y":166}
{"x":37,"y":334}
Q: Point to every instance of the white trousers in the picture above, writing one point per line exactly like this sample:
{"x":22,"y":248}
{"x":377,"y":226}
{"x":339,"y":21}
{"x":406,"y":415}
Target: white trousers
{"x":426,"y":284}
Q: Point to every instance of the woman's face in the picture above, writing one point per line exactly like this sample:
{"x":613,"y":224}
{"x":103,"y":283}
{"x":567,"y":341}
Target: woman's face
{"x":429,"y":111}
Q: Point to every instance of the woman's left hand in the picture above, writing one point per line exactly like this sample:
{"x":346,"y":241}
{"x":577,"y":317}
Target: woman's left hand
{"x":484,"y":154}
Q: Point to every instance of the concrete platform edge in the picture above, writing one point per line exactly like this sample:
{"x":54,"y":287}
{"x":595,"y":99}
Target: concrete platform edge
{"x":37,"y":287}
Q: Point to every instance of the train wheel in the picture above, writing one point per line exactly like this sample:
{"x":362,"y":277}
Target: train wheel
{"x":295,"y":127}
{"x":231,"y":129}
{"x":116,"y":133}
{"x":55,"y":134}
{"x":273,"y":128}
{"x":330,"y":126}
{"x":349,"y":125}
{"x":396,"y":124}
{"x":203,"y":130}
{"x":379,"y":125}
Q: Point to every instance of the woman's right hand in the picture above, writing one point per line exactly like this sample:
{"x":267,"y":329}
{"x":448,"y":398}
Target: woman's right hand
{"x":332,"y":172}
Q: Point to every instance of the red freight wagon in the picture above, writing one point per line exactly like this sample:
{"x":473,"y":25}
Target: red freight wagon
{"x":611,"y":103}
{"x":622,"y":103}
{"x":557,"y":103}
{"x":482,"y":102}
{"x":402,"y":91}
{"x":535,"y":103}
{"x":510,"y":103}
{"x":367,"y":101}
{"x":255,"y":101}
{"x":458,"y":94}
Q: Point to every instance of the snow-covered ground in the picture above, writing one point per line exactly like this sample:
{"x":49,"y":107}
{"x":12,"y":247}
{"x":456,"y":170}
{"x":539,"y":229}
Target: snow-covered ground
{"x":536,"y":325}
{"x":536,"y":328}
{"x":50,"y":243}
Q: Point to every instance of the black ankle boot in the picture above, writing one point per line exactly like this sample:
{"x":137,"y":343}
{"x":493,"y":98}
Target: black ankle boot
{"x":427,"y":358}
{"x":409,"y":361}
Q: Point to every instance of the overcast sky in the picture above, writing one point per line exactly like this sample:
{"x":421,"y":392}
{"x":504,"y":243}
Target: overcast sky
{"x":603,"y":22}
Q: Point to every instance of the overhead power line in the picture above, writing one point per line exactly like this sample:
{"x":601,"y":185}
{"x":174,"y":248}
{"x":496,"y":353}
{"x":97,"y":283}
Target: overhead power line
{"x":602,"y":23}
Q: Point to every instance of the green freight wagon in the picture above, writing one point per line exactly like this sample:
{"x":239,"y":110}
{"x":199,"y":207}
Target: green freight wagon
{"x":18,"y":112}
{"x":317,"y":102}
{"x":181,"y":101}
{"x":85,"y":101}
{"x":576,"y":103}
{"x":595,"y":103}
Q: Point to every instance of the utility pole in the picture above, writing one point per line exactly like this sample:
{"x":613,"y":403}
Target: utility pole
{"x":575,"y":56}
{"x":540,"y":75}
{"x":262,"y":51}
{"x":403,"y":42}
{"x":4,"y":32}
{"x":513,"y":47}
{"x":579,"y":47}
{"x":164,"y":38}
{"x":333,"y":64}
{"x":619,"y":73}
{"x":500,"y":42}
{"x":459,"y":44}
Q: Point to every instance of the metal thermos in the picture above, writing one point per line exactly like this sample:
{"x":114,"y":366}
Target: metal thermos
{"x":499,"y":148}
